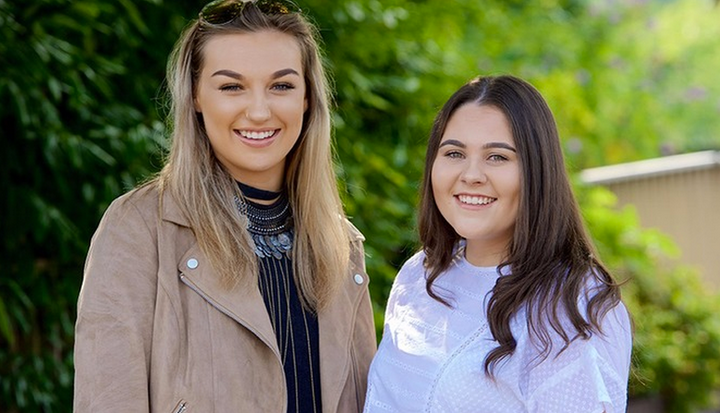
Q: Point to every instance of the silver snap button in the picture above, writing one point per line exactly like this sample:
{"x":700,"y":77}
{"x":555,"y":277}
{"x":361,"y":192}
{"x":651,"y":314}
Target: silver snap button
{"x":359,"y":279}
{"x":192,"y":263}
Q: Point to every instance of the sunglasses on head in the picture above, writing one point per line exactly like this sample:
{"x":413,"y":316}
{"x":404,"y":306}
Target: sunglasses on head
{"x":224,"y":11}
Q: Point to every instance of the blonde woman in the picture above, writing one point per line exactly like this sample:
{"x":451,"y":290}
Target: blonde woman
{"x":232,"y":281}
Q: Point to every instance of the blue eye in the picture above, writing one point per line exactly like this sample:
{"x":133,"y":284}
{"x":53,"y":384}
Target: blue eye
{"x":283,"y":86}
{"x":230,"y":88}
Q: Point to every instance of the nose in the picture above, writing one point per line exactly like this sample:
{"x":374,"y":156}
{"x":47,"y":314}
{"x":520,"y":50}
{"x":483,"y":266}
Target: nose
{"x":473,"y":173}
{"x":258,"y":109}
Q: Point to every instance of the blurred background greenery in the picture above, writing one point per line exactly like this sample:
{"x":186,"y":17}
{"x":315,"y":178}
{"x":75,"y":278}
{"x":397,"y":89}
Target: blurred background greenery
{"x":82,"y":116}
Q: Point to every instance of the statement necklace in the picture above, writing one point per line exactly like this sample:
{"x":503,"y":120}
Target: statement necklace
{"x":270,"y":226}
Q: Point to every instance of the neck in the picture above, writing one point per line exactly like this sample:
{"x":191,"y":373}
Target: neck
{"x":484,"y":254}
{"x":257,"y":195}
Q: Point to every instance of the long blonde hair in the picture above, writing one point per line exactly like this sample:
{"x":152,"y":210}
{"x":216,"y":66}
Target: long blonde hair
{"x":205,"y":190}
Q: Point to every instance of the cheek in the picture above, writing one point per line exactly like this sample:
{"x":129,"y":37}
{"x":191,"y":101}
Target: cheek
{"x":443,"y":176}
{"x":515,"y":207}
{"x":292,"y":109}
{"x":441,"y":187}
{"x":435,"y":181}
{"x":201,"y":99}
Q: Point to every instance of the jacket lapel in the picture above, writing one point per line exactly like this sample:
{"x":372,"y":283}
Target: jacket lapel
{"x":243,"y":304}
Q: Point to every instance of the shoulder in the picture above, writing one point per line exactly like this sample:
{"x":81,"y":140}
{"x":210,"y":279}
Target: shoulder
{"x":129,"y":221}
{"x":412,"y":268}
{"x":353,"y":233}
{"x":357,"y":250}
{"x":617,"y":314}
{"x":123,"y":251}
{"x":146,"y":196}
{"x":608,"y":318}
{"x":410,"y":280}
{"x":417,"y":261}
{"x":142,"y":202}
{"x":611,"y":337}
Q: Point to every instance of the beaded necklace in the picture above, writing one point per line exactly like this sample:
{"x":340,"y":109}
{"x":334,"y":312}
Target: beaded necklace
{"x":271,"y":226}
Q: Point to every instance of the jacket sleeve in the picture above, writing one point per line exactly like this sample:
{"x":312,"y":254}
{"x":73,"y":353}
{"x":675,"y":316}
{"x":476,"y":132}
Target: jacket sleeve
{"x":115,"y":314}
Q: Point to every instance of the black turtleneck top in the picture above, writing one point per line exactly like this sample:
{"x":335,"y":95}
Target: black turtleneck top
{"x":296,"y":327}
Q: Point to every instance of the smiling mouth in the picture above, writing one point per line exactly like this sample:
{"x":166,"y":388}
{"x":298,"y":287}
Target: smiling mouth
{"x":257,"y":136}
{"x":476,"y":200}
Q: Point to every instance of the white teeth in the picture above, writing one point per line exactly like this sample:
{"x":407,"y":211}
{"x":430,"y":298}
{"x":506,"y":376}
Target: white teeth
{"x":257,"y":135}
{"x":475,"y":200}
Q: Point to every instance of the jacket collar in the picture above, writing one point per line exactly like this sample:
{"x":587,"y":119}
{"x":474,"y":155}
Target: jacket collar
{"x":170,"y":210}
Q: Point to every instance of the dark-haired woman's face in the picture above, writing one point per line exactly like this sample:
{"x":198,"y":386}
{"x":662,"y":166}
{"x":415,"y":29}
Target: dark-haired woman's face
{"x":476,"y":181}
{"x":251,"y":94}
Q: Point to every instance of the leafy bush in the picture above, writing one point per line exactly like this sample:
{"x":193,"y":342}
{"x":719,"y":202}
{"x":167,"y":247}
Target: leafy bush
{"x":676,"y":351}
{"x":74,"y":137}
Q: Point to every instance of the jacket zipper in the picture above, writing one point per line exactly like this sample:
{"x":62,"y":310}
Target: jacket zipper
{"x":356,"y":377}
{"x":180,"y":408}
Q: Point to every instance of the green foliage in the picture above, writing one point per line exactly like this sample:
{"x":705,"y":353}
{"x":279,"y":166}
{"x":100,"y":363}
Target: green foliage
{"x":677,"y":333}
{"x":76,"y":137}
{"x":82,"y":114}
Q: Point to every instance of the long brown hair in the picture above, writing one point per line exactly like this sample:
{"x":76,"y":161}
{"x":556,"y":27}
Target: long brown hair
{"x":551,"y":255}
{"x":205,"y":190}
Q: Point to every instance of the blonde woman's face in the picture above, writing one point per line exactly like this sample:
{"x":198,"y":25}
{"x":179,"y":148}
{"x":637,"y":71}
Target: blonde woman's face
{"x":251,"y":94}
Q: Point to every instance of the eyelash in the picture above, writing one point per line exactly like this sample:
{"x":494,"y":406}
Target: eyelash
{"x":230,"y":88}
{"x":236,"y":87}
{"x":497,"y":157}
{"x":492,"y":158}
{"x":284,"y":86}
{"x":453,"y":154}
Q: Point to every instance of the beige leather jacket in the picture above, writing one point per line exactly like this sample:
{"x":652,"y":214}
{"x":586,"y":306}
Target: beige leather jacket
{"x":157,"y":332}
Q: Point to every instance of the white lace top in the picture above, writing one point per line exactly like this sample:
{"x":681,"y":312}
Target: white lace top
{"x":431,"y":358}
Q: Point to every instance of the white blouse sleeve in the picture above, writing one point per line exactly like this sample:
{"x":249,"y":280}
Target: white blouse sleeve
{"x":589,"y":376}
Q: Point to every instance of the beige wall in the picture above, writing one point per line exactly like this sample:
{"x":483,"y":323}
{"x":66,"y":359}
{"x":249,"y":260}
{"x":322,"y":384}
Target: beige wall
{"x":684,"y":205}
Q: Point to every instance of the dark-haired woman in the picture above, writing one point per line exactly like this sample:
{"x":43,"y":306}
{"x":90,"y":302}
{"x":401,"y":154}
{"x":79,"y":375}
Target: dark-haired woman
{"x":507,"y":308}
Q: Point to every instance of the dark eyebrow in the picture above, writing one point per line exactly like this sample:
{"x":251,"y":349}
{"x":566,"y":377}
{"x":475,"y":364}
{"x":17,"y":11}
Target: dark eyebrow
{"x":238,"y":76}
{"x":285,"y":72}
{"x":229,"y":73}
{"x":452,"y":142}
{"x":489,"y":145}
{"x":499,"y":145}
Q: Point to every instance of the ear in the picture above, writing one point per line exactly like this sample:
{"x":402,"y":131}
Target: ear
{"x":196,"y":104}
{"x":305,"y":105}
